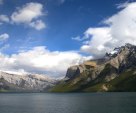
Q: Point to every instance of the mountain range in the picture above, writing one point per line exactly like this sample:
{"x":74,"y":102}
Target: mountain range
{"x":116,"y":71}
{"x":11,"y":82}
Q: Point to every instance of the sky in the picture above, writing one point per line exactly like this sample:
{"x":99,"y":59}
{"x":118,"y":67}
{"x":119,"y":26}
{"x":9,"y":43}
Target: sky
{"x":48,"y":36}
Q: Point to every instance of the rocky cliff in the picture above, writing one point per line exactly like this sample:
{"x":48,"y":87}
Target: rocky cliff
{"x":113,"y":72}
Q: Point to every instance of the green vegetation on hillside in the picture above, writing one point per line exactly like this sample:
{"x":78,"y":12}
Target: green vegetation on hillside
{"x":126,"y":81}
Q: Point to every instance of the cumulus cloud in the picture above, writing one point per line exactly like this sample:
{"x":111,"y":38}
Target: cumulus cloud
{"x":4,"y":18}
{"x":39,"y":24}
{"x":28,"y":14}
{"x":41,"y":60}
{"x":117,"y":30}
{"x":98,"y":37}
{"x":4,"y":37}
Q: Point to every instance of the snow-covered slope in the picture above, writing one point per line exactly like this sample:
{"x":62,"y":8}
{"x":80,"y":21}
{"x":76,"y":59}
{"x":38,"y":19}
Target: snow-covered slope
{"x":28,"y":82}
{"x":118,"y":50}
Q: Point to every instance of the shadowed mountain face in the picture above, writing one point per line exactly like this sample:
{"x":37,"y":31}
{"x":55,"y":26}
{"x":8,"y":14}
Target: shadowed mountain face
{"x":116,"y":71}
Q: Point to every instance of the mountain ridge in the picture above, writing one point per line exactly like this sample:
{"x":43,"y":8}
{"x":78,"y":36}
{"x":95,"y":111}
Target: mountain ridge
{"x":101,"y":74}
{"x":24,"y":83}
{"x":116,"y":71}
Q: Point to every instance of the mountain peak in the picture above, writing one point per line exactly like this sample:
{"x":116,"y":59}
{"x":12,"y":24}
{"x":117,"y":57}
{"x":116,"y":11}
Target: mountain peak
{"x":128,"y":45}
{"x":117,"y":50}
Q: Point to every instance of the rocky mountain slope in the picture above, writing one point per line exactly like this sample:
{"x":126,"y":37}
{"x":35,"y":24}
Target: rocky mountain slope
{"x":28,"y":82}
{"x":116,"y":71}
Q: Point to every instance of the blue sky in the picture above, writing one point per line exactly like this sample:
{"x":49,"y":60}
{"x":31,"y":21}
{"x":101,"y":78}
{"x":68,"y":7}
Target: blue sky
{"x":69,"y":31}
{"x":63,"y":21}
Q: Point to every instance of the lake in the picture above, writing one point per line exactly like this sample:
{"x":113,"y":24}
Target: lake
{"x":68,"y":103}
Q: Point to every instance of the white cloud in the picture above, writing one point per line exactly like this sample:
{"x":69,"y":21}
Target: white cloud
{"x":118,"y":30}
{"x":28,"y":14}
{"x":77,"y":38}
{"x":41,"y":60}
{"x":99,"y":37}
{"x":4,"y":37}
{"x":123,"y":25}
{"x":39,"y":24}
{"x":4,"y":18}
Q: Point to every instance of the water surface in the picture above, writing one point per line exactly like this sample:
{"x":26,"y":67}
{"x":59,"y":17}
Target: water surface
{"x":68,"y":103}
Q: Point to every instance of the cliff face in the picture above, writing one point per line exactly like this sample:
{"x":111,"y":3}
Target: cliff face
{"x":100,"y":74}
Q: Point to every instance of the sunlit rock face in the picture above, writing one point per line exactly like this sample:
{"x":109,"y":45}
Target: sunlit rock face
{"x":25,"y":82}
{"x":118,"y":60}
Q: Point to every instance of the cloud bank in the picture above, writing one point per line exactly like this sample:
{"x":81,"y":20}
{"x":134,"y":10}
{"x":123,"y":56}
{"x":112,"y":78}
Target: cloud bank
{"x":41,"y":60}
{"x":116,"y":31}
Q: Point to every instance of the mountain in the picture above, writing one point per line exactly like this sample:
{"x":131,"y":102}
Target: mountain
{"x":11,"y":82}
{"x":116,"y":71}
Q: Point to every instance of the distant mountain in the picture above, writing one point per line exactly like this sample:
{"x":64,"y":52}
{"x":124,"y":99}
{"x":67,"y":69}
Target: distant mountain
{"x":116,"y":71}
{"x":10,"y":82}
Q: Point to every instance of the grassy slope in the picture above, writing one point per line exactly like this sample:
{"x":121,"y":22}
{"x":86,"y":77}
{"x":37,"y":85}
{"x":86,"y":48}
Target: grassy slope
{"x":125,"y":82}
